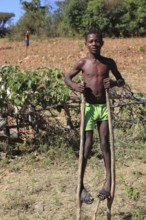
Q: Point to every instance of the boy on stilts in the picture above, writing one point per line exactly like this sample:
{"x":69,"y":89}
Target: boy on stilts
{"x":95,"y":70}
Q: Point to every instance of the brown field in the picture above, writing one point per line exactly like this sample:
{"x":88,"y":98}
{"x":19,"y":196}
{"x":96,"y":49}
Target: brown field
{"x":32,"y":188}
{"x":63,"y":53}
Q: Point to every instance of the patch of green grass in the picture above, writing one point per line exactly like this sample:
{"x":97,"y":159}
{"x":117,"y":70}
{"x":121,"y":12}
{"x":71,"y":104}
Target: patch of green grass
{"x":130,"y":144}
{"x":138,"y":215}
{"x":4,"y":162}
{"x":16,"y":202}
{"x":142,"y":49}
{"x":15,"y":167}
{"x":131,"y":192}
{"x":137,"y":174}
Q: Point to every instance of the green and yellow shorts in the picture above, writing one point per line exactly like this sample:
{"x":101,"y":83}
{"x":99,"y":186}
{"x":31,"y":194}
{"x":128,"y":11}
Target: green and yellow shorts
{"x":94,"y":113}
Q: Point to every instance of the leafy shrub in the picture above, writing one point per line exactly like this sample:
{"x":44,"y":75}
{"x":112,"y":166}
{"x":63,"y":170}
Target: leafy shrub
{"x":37,"y":88}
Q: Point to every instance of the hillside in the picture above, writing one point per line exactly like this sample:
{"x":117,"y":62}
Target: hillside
{"x":41,"y":185}
{"x":130,"y":55}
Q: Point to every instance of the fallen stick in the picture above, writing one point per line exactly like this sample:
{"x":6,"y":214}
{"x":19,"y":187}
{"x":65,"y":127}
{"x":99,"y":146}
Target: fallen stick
{"x":113,"y":176}
{"x":80,"y":157}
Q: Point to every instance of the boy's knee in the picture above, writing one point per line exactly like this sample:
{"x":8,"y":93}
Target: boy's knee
{"x":105,"y":146}
{"x":88,"y":141}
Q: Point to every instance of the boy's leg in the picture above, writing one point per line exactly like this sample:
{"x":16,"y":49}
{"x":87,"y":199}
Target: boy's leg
{"x":85,"y":195}
{"x":105,"y":148}
{"x":87,"y":149}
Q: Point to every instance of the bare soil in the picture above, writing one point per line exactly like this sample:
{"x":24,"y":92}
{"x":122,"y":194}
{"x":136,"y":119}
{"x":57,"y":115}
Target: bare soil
{"x":63,"y":53}
{"x":33,"y":188}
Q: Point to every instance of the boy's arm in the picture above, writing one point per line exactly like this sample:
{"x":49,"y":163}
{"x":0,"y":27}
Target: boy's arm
{"x":119,"y":79}
{"x":79,"y":87}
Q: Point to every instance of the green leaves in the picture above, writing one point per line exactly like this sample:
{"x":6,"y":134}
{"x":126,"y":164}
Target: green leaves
{"x":38,"y":88}
{"x":4,"y":18}
{"x":115,"y":18}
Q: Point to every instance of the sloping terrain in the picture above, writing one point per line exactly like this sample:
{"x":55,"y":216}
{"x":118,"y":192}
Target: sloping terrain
{"x":129,"y":54}
{"x":34,"y":187}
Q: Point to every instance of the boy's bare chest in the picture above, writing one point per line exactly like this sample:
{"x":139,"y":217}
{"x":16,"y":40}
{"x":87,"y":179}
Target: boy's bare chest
{"x":95,"y":69}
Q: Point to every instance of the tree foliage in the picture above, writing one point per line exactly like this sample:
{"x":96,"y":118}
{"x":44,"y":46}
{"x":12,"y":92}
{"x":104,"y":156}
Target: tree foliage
{"x":4,"y":19}
{"x":96,"y":15}
{"x":119,"y":18}
{"x":133,"y":21}
{"x":35,"y":19}
{"x":57,"y":24}
{"x":115,"y":17}
{"x":73,"y":14}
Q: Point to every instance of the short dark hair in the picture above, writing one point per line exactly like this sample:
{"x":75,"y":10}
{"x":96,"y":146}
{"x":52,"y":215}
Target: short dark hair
{"x":93,"y":31}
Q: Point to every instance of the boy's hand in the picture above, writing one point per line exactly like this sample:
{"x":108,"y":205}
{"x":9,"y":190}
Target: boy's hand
{"x":80,"y":87}
{"x":107,"y":83}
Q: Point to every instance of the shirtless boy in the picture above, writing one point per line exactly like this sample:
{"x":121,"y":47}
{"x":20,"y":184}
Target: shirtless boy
{"x":95,"y":70}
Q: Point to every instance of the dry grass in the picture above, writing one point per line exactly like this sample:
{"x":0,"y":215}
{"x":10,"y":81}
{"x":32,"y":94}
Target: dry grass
{"x":40,"y":191}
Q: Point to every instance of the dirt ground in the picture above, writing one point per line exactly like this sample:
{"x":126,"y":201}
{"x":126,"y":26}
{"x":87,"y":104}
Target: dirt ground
{"x":129,"y":54}
{"x":32,"y":188}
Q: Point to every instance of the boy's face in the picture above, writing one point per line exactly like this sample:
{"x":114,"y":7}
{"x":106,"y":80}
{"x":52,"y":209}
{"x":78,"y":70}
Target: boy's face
{"x":94,"y":43}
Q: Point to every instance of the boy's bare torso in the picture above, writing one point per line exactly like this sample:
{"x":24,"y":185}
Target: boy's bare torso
{"x":94,"y":72}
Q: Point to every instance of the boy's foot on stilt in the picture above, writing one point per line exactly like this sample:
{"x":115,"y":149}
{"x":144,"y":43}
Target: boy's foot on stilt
{"x":86,"y":197}
{"x":103,"y":194}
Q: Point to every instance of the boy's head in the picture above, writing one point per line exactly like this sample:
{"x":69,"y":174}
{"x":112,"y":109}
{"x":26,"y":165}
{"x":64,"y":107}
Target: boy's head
{"x":93,"y":31}
{"x":94,"y":41}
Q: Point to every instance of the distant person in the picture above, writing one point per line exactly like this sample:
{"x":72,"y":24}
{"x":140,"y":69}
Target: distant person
{"x":27,"y":38}
{"x":95,"y":69}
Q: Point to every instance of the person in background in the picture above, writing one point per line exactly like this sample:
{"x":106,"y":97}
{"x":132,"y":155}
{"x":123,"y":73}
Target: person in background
{"x":27,"y":38}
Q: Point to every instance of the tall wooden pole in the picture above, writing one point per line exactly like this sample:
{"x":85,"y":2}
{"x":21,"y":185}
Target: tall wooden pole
{"x":113,"y":175}
{"x":80,"y":157}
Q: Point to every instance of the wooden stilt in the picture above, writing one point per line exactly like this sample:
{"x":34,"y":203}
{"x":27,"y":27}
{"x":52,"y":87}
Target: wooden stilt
{"x":80,"y":157}
{"x":96,"y":211}
{"x":113,"y":175}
